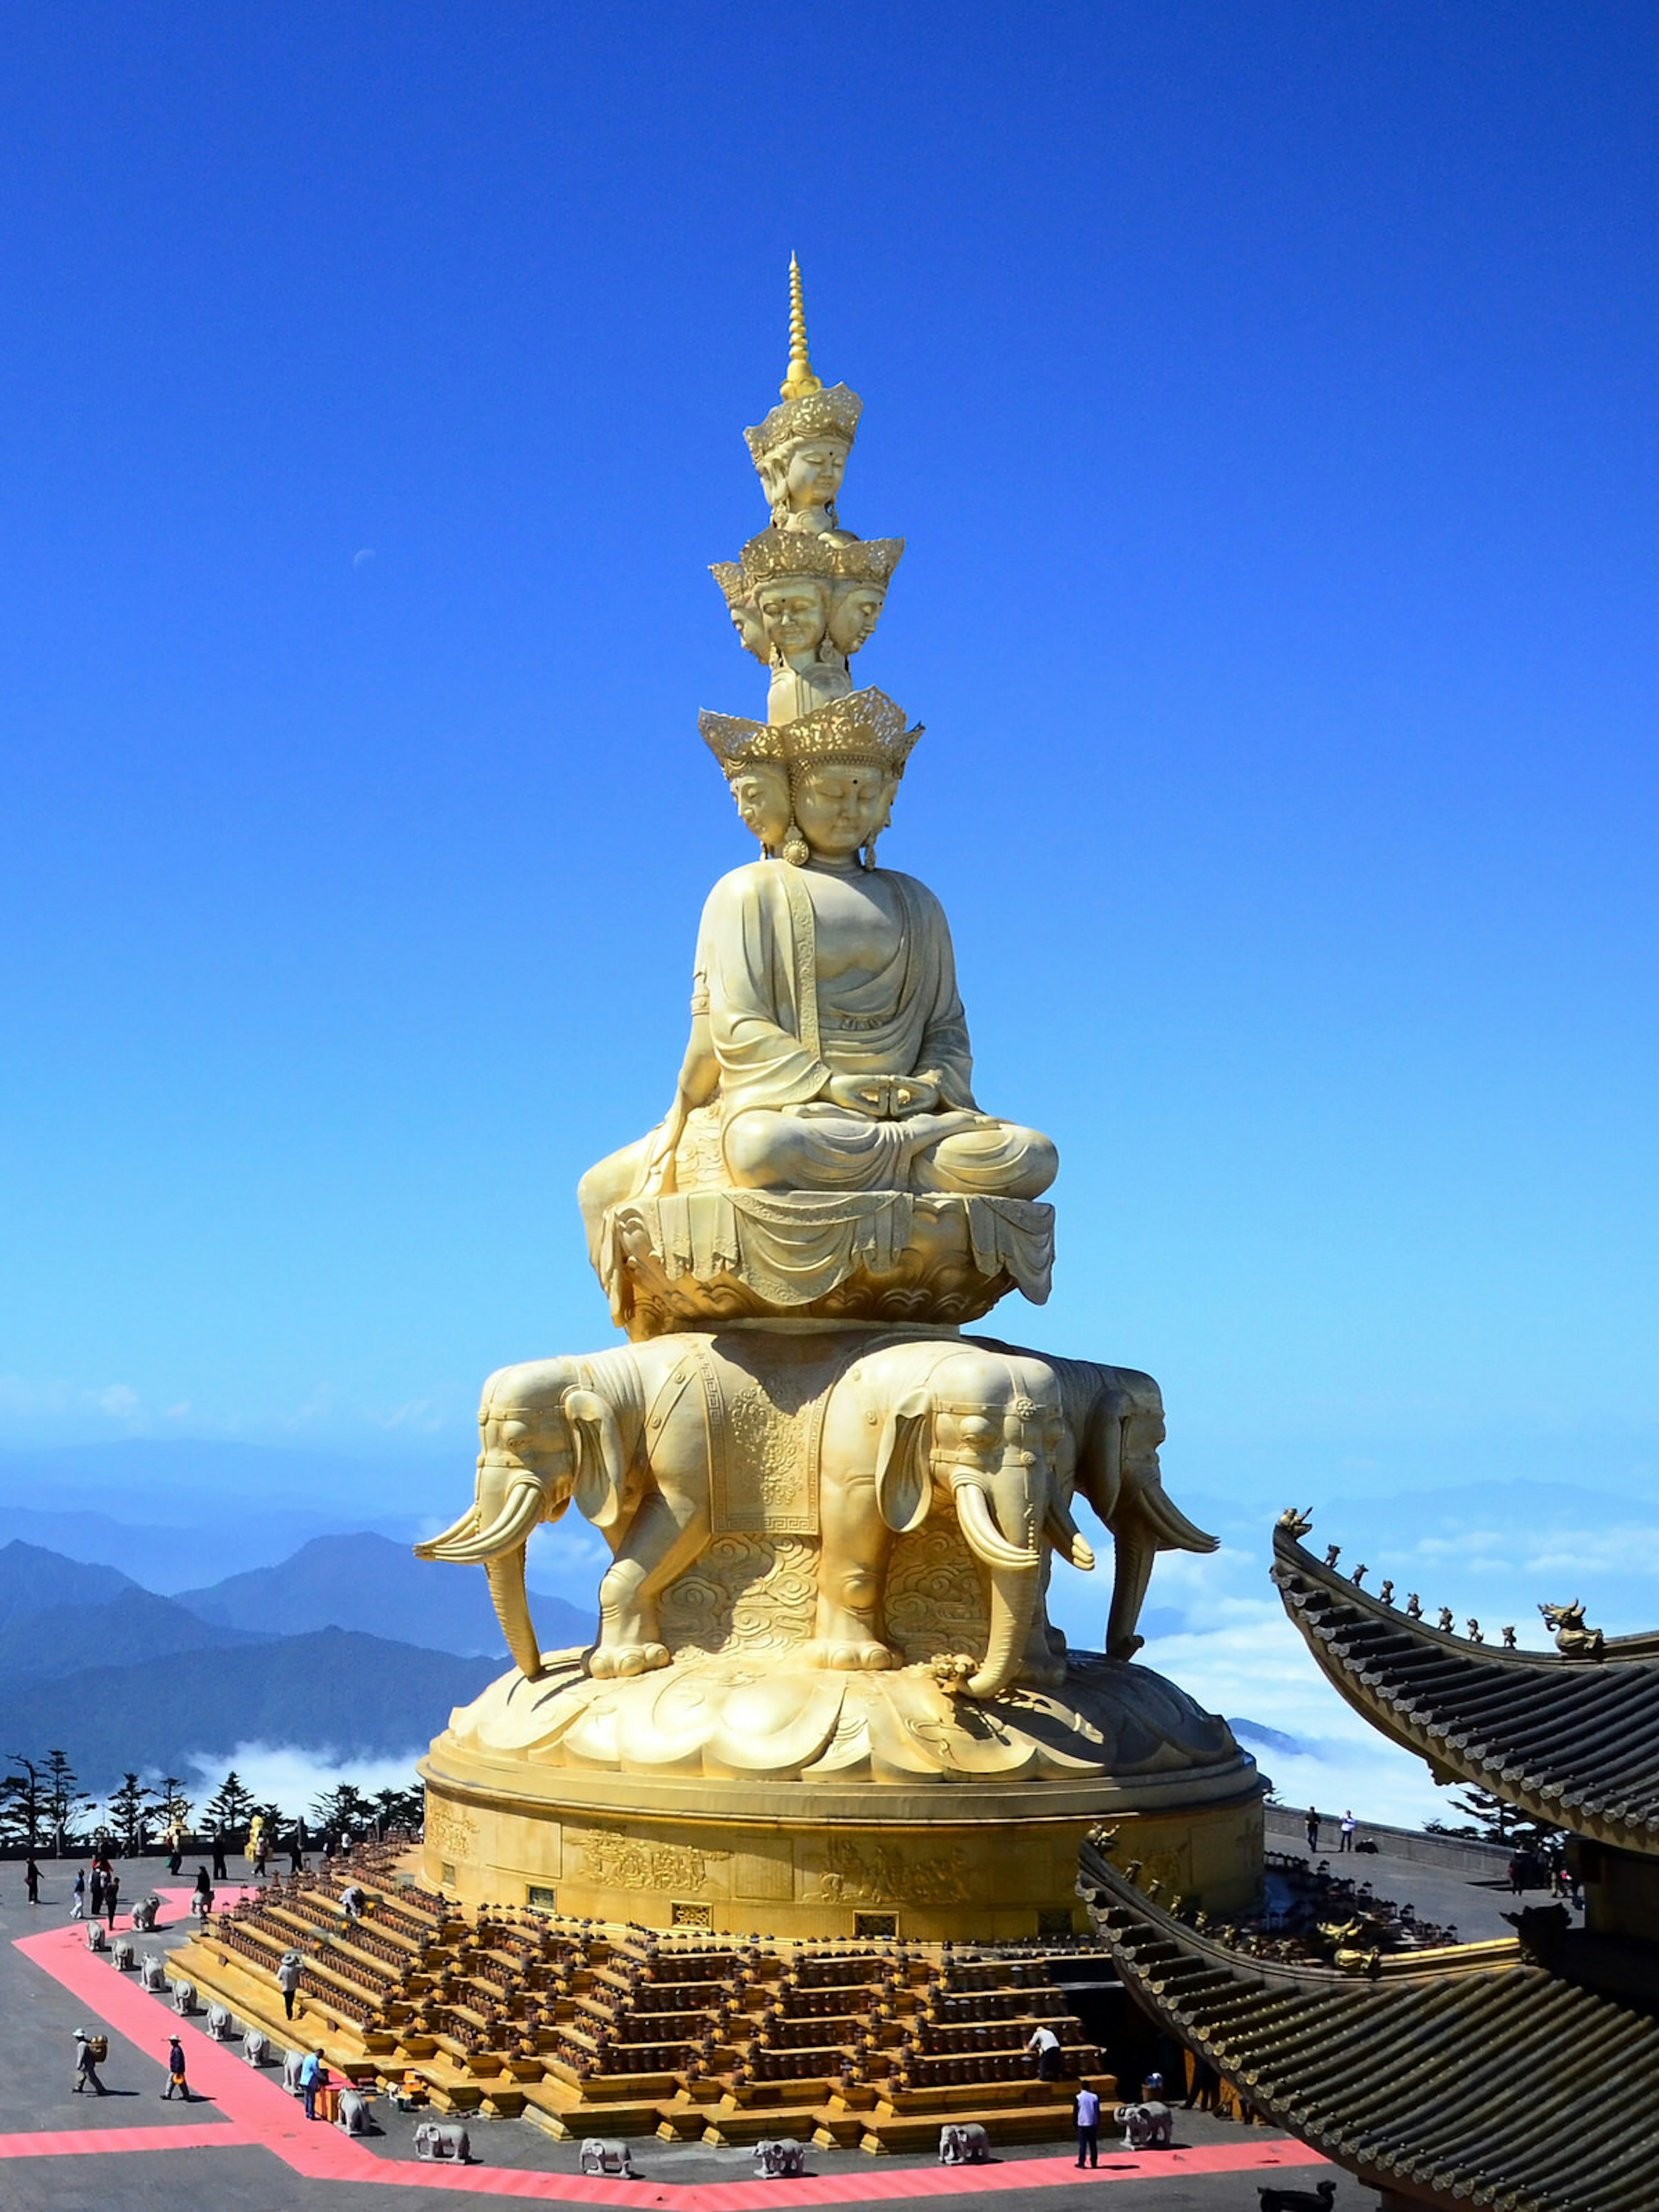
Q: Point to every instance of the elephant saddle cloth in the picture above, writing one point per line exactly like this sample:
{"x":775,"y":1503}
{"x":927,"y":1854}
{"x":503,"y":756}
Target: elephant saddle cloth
{"x":763,"y":1399}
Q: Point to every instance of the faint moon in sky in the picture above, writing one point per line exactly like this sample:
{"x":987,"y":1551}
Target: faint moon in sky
{"x":363,"y":556}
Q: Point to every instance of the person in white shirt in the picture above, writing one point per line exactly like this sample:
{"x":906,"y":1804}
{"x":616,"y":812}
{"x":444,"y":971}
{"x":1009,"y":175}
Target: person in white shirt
{"x":1045,"y":2044}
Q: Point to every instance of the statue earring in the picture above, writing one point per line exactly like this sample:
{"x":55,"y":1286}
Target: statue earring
{"x":796,"y":850}
{"x":867,"y":858}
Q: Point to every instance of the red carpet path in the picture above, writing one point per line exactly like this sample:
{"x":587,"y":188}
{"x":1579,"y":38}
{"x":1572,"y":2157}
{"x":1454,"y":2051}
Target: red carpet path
{"x":257,"y":2112}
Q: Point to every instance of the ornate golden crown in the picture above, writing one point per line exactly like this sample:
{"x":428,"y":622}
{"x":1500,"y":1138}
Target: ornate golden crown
{"x":831,"y":414}
{"x":796,"y":553}
{"x":865,"y":728}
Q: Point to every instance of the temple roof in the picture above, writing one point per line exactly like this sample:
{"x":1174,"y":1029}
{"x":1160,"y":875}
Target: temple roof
{"x":1467,"y":2076}
{"x":1571,"y":1740}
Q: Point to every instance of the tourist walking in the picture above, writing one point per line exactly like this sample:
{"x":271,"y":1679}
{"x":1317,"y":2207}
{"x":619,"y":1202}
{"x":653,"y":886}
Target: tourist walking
{"x":78,"y":1895}
{"x":296,"y":1851}
{"x":1349,"y":1824}
{"x":97,"y":1890}
{"x":287,"y":1980}
{"x":1088,"y":2127}
{"x":221,"y":1872}
{"x":32,"y":1879}
{"x":86,"y":2056}
{"x":175,"y":1849}
{"x":201,"y":1897}
{"x":1312,"y":1826}
{"x":177,"y":2085}
{"x":112,"y":1894}
{"x":1046,"y":2045}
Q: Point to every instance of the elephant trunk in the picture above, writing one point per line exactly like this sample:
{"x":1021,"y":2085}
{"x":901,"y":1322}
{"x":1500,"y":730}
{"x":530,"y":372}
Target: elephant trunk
{"x":505,"y":1574}
{"x":1015,"y":1573}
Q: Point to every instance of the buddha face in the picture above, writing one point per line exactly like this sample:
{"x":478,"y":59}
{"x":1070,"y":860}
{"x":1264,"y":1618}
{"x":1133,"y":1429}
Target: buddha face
{"x":813,"y":473}
{"x":762,"y":791}
{"x":841,"y":804}
{"x":751,"y":631}
{"x":793,"y":612}
{"x":854,"y":613}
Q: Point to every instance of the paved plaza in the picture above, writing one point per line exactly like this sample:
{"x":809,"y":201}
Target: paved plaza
{"x":243,"y":2146}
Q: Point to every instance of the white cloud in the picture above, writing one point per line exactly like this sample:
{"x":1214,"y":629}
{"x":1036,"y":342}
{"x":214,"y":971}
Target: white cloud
{"x":285,"y":1775}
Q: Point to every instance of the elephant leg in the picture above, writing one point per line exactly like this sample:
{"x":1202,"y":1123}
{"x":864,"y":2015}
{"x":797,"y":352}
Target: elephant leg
{"x":660,"y":1543}
{"x":846,"y":1630}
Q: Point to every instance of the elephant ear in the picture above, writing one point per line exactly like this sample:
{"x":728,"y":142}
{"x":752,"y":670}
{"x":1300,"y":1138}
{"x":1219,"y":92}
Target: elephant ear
{"x":600,"y":1465}
{"x":904,"y":1487}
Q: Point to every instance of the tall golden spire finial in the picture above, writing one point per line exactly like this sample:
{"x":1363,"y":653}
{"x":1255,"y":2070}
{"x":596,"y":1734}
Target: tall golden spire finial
{"x":799,"y":381}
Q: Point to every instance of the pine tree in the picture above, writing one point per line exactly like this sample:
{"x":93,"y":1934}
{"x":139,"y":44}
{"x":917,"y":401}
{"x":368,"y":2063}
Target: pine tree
{"x":128,"y":1809}
{"x":1490,"y":1821}
{"x":230,"y":1805}
{"x":171,"y":1806}
{"x":65,"y":1800}
{"x":24,"y":1813}
{"x":342,"y":1808}
{"x":399,"y":1809}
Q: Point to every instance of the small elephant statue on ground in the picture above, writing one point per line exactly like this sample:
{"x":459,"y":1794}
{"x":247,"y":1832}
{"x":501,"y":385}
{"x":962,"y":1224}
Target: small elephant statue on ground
{"x":1145,"y":2127}
{"x":964,"y":2143}
{"x":256,"y":2047}
{"x":443,"y":2141}
{"x":607,"y":2154}
{"x":152,"y":1972}
{"x":293,"y":2067}
{"x":779,"y":2157}
{"x":220,"y":2025}
{"x":144,"y":1914}
{"x":122,"y":1956}
{"x":351,"y":2114}
{"x":97,"y":1935}
{"x":183,"y":1997}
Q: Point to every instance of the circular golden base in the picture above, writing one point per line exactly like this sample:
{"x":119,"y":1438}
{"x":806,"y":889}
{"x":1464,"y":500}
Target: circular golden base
{"x":561,"y":1793}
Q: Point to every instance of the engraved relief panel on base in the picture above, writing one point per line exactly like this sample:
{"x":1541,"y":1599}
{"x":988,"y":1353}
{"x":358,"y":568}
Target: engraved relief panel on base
{"x":610,"y":1861}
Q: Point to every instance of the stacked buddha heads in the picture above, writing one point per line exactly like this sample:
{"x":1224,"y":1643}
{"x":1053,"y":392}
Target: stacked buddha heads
{"x":803,"y":597}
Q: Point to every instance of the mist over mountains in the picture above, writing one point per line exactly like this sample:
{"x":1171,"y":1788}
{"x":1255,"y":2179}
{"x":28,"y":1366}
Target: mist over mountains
{"x":350,"y":1649}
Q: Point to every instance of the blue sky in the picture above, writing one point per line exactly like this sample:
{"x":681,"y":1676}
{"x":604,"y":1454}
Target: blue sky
{"x":1265,"y":393}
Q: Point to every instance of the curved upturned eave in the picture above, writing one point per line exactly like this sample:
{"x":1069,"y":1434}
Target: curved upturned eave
{"x":1474,"y":2077}
{"x":1571,"y":1741}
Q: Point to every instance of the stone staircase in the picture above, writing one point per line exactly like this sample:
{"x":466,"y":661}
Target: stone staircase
{"x":583,"y":2027}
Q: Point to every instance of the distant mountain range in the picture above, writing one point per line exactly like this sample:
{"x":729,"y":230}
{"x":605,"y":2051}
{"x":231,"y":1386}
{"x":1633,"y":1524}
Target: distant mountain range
{"x":352,"y":1646}
{"x":356,"y":1696}
{"x":366,"y":1583}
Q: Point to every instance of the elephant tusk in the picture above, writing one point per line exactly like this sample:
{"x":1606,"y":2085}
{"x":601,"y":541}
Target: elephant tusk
{"x":985,"y":1539}
{"x":1067,"y":1538}
{"x":522,"y":1510}
{"x":458,"y":1532}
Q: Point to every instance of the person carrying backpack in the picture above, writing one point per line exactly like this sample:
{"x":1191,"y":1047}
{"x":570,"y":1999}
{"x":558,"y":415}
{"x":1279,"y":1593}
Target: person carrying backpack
{"x":88,"y":2054}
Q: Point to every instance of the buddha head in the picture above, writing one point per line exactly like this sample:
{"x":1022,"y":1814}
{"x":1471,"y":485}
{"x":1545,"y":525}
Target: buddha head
{"x":793,"y":613}
{"x":841,"y":807}
{"x":736,"y":588}
{"x":800,"y":450}
{"x":761,"y":789}
{"x":854,"y":611}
